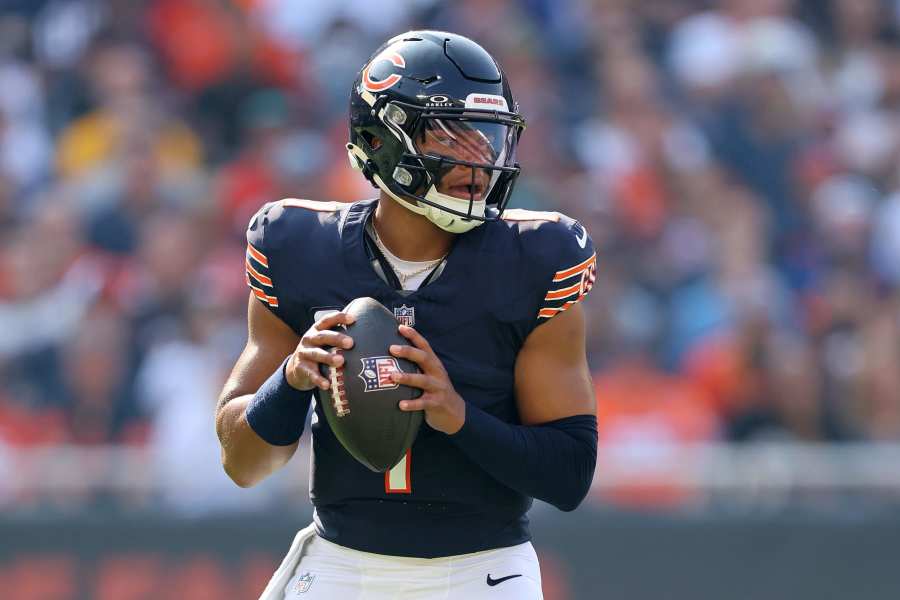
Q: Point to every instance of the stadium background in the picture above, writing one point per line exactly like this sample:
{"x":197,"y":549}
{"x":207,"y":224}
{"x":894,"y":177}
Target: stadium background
{"x":737,"y":163}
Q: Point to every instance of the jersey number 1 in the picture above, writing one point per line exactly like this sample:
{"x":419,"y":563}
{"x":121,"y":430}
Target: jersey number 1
{"x":397,"y":480}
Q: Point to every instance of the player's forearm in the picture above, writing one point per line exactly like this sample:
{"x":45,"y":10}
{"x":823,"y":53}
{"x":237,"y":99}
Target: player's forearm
{"x":246,"y":457}
{"x":553,"y":462}
{"x":259,"y":432}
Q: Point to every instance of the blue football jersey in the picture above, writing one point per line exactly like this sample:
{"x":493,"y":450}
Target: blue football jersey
{"x":500,"y":281}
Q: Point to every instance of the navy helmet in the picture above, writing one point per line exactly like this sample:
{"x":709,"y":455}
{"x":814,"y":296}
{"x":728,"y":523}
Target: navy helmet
{"x":433,"y":109}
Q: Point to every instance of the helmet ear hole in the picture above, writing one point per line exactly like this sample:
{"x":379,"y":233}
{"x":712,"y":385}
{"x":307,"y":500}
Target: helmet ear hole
{"x":373,"y":141}
{"x":359,"y":162}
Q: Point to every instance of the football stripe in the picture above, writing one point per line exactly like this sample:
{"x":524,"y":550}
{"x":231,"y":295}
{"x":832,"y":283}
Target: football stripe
{"x":257,"y":275}
{"x":576,"y":270}
{"x":257,"y":256}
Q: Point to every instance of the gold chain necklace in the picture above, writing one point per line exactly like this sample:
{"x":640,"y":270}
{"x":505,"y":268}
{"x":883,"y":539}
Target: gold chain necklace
{"x":403,"y":277}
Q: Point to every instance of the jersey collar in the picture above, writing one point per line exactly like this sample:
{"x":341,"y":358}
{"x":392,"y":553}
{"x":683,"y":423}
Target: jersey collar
{"x":465,"y":250}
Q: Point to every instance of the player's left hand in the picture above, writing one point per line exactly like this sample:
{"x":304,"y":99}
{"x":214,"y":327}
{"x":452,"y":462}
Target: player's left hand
{"x":445,"y":410}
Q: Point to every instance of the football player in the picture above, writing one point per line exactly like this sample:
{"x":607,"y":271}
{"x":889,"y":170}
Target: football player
{"x":489,"y":302}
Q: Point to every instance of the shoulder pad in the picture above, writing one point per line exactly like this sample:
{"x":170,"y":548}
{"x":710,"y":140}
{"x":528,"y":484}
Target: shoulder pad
{"x":278,"y":226}
{"x":276,"y":237}
{"x":564,"y":262}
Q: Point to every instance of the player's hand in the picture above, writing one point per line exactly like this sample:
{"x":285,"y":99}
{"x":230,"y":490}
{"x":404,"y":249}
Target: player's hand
{"x":445,"y":410}
{"x":302,"y":370}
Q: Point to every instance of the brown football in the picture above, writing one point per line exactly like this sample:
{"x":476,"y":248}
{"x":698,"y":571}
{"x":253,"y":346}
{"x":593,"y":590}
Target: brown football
{"x":361,"y":404}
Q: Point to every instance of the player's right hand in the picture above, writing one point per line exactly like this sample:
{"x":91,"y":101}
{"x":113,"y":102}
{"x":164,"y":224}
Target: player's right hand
{"x":302,"y":370}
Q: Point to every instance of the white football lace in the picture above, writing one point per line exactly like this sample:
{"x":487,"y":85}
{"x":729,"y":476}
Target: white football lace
{"x":338,"y":394}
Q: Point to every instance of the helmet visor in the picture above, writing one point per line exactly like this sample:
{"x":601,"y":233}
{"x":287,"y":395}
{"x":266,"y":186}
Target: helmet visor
{"x":471,"y":154}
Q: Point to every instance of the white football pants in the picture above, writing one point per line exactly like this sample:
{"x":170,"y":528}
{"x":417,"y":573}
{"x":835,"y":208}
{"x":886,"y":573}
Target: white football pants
{"x":316,"y":569}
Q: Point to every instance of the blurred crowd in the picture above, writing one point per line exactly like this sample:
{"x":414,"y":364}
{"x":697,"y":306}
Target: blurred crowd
{"x":737,"y":163}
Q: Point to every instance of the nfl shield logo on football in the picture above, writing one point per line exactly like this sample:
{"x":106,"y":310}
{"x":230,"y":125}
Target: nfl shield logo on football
{"x":376,"y":372}
{"x":301,"y":586}
{"x":406,"y":315}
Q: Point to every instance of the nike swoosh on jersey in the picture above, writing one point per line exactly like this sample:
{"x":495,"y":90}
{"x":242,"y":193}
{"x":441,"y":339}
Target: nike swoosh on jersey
{"x":582,"y":239}
{"x":492,"y":582}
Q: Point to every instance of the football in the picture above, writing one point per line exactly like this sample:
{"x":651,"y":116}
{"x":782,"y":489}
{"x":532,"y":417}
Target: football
{"x":361,"y":404}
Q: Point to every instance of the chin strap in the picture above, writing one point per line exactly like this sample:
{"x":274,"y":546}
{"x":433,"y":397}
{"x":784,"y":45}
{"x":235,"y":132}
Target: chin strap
{"x":443,"y":219}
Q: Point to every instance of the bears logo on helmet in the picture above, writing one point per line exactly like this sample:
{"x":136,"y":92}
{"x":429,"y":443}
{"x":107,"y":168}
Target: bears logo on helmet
{"x":390,"y":56}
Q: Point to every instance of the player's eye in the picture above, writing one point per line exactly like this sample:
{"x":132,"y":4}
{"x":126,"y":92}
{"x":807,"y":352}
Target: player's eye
{"x":441,"y":138}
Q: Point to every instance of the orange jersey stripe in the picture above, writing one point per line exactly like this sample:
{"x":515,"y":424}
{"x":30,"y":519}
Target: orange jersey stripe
{"x":257,"y":256}
{"x":257,"y":275}
{"x":270,"y":300}
{"x":566,"y":273}
{"x":563,"y":292}
{"x":549,"y":312}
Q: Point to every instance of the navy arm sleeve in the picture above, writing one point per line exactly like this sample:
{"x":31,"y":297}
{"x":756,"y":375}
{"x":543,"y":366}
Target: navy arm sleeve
{"x":553,"y":462}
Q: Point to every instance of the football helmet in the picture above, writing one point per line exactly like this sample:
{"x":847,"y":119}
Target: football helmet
{"x":434,"y":110}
